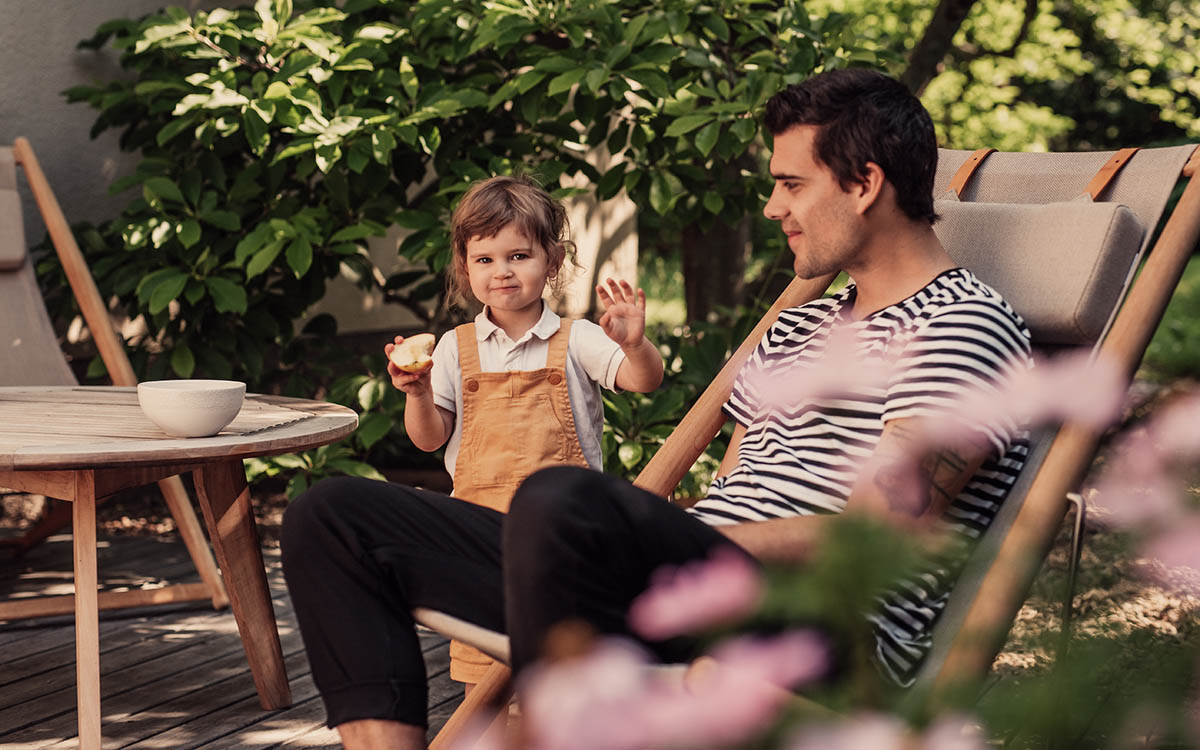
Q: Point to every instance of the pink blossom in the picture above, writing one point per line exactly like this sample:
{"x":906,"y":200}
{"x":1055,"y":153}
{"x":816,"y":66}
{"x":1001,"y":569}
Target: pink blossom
{"x":869,"y":730}
{"x":612,"y":699}
{"x":954,"y":732}
{"x":882,"y":732}
{"x":1173,"y":555}
{"x":1069,"y":388}
{"x":1177,"y":428}
{"x":839,"y":370}
{"x":795,"y":657}
{"x":698,"y":595}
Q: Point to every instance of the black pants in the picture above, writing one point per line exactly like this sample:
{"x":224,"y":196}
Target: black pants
{"x":359,"y":555}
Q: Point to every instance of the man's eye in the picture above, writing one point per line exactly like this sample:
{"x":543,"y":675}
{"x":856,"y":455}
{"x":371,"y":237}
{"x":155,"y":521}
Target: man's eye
{"x":792,"y":186}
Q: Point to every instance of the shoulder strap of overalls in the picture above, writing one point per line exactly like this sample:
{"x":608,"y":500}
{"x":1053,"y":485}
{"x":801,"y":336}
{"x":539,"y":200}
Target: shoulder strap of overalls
{"x":556,"y":356}
{"x":468,"y":349}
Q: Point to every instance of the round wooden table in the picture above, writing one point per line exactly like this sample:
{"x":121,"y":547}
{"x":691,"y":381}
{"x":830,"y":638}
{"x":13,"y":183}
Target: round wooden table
{"x":81,"y":444}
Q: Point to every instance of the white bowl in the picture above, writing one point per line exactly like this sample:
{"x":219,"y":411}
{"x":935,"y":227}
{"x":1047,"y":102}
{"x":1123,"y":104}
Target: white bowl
{"x":191,"y":408}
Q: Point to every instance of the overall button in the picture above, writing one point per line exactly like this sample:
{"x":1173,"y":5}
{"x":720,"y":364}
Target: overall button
{"x":554,"y":378}
{"x":472,"y":385}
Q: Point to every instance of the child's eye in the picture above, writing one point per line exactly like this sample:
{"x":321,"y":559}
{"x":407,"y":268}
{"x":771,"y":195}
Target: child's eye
{"x":519,"y":256}
{"x":483,"y":259}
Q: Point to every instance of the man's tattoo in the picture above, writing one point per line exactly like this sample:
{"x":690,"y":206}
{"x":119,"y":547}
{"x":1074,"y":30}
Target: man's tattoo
{"x":911,"y":486}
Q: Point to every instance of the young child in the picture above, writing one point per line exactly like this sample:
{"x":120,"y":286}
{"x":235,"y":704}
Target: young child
{"x":519,"y":388}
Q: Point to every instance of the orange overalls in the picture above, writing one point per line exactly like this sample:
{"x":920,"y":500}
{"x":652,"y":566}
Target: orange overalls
{"x":513,"y":423}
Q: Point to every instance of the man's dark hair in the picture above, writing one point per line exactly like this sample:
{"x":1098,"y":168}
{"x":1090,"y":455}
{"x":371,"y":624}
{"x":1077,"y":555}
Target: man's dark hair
{"x":865,"y":116}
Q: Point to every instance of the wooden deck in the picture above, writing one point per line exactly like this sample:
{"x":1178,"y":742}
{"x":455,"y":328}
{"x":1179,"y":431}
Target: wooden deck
{"x":171,"y":677}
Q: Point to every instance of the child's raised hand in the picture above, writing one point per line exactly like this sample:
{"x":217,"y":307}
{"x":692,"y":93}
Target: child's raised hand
{"x":624,"y":319}
{"x":412,"y":383}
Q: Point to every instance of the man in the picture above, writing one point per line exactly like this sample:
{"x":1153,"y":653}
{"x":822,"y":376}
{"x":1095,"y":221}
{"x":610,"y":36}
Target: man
{"x":853,"y":162}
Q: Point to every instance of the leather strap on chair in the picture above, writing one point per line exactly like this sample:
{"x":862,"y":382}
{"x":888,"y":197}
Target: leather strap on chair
{"x":963,"y":175}
{"x":1108,"y":172}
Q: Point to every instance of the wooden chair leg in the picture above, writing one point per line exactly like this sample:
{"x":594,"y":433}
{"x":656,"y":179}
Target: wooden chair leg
{"x":491,"y":690}
{"x":225,"y":502}
{"x":87,"y":612}
{"x":193,"y":537}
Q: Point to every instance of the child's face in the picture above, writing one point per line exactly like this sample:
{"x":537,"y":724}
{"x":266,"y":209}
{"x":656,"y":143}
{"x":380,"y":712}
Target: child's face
{"x":507,"y":272}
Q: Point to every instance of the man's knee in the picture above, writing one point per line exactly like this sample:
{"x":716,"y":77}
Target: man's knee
{"x":551,"y":494}
{"x":309,"y":516}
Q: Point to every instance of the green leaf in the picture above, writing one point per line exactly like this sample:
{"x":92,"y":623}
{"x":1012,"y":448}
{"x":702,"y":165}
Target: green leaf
{"x":257,"y":134}
{"x":630,"y":454}
{"x":227,"y":296}
{"x":188,"y":232}
{"x":713,"y":202}
{"x":707,"y":138}
{"x":415,"y":220}
{"x":565,"y":81}
{"x":300,"y":255}
{"x":277,"y":90}
{"x":744,"y":129}
{"x":610,"y":183}
{"x":222,"y":219}
{"x":183,"y":362}
{"x":162,"y":188}
{"x":408,"y":79}
{"x":372,"y":428}
{"x":174,"y":128}
{"x":371,"y":393}
{"x":596,"y":78}
{"x":382,"y":145}
{"x":687,"y":124}
{"x":263,"y":259}
{"x":354,"y":232}
{"x":166,"y":292}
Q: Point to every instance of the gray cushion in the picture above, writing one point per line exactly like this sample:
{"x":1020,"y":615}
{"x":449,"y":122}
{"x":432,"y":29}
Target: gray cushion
{"x":12,"y":236}
{"x":1062,"y":266}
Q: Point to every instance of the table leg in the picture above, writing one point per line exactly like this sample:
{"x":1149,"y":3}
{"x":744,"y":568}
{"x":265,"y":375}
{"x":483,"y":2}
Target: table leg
{"x":225,"y":501}
{"x":87,"y":612}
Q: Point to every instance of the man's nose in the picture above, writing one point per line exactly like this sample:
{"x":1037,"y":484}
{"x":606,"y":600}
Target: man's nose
{"x":772,"y":209}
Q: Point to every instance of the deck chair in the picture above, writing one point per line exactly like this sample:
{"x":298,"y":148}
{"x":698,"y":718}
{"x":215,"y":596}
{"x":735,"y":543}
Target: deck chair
{"x":1030,"y":225}
{"x":30,"y":355}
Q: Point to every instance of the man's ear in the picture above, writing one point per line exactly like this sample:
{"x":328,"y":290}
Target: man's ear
{"x":869,"y":187}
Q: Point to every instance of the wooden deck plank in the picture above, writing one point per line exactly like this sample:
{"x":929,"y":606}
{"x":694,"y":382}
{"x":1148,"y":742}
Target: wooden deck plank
{"x":172,"y":677}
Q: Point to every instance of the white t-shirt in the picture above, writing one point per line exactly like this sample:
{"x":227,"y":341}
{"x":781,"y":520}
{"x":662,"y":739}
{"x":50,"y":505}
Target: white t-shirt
{"x":592,"y":361}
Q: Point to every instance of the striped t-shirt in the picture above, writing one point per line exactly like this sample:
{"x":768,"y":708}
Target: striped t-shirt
{"x":801,"y":454}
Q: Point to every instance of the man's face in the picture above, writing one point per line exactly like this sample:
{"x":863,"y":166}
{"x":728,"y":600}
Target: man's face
{"x":823,"y":227}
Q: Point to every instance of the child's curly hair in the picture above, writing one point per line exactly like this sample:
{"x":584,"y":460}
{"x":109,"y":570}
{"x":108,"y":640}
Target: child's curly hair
{"x":492,"y":204}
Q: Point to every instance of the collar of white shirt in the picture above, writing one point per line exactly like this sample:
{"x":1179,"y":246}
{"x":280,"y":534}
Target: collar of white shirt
{"x":544,"y":328}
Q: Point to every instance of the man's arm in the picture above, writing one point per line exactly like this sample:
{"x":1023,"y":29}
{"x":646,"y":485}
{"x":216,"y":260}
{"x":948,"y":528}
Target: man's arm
{"x":730,"y":459}
{"x":904,"y":483}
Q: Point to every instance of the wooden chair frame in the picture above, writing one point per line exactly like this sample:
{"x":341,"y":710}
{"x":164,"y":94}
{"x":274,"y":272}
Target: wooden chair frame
{"x":95,"y":315}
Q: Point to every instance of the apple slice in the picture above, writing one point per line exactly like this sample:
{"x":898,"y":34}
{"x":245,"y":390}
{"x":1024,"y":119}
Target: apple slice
{"x":414,"y":353}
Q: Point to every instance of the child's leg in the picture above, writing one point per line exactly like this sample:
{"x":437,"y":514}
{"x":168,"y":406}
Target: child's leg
{"x":582,"y":545}
{"x":358,"y":556}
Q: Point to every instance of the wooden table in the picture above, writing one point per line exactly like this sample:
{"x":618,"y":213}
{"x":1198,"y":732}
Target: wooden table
{"x":84,"y":443}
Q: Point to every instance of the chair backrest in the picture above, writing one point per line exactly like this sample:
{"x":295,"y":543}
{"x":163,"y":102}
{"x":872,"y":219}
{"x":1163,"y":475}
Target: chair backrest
{"x":29,"y":350}
{"x":1079,"y":267}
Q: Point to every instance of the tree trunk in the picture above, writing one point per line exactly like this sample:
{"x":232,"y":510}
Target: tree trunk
{"x":714,"y":267}
{"x":934,"y":43}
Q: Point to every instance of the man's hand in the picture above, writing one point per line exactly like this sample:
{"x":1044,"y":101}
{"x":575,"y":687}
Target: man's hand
{"x":624,"y":319}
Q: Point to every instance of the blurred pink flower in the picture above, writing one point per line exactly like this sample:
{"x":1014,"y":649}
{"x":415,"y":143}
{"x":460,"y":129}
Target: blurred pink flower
{"x":612,"y":699}
{"x":1142,"y":484}
{"x":840,"y":369}
{"x":785,"y":660}
{"x":1069,"y":388}
{"x":874,"y":731}
{"x":695,"y":596}
{"x":1176,"y":429}
{"x":883,"y":732}
{"x":1173,"y":556}
{"x":954,"y":732}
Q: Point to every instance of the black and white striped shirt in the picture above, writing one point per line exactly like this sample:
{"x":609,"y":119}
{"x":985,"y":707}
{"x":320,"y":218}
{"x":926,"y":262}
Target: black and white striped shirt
{"x":801,"y":452}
